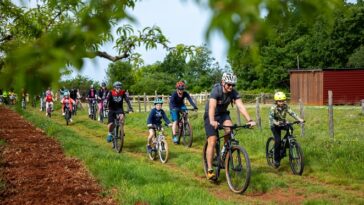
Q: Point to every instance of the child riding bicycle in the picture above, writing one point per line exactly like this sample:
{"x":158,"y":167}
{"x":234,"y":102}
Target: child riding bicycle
{"x":216,"y":112}
{"x":155,"y":119}
{"x":67,"y":101}
{"x":48,"y":99}
{"x":277,"y":120}
{"x":177,"y":104}
{"x":115,"y":100}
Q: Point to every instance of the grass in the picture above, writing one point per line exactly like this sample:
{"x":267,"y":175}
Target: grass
{"x":333,"y":167}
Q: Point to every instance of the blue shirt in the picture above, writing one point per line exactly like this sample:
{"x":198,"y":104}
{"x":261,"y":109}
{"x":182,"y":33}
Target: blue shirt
{"x":155,"y":117}
{"x":178,"y":102}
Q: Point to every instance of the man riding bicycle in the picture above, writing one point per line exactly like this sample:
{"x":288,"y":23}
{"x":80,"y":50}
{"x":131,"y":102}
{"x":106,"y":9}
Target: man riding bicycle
{"x":115,"y":100}
{"x":91,"y":96}
{"x":176,"y":104}
{"x":277,"y":118}
{"x":101,"y":96}
{"x":216,"y":113}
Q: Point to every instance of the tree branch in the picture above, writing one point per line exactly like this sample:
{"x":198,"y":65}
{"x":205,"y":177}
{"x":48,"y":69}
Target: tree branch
{"x":112,"y":58}
{"x":6,"y":38}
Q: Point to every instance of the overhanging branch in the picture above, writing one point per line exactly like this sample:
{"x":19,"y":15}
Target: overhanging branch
{"x":110,"y":57}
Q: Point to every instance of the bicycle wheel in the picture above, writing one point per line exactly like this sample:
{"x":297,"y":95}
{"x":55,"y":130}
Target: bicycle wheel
{"x":215,"y":162}
{"x":269,"y":151}
{"x":118,"y":138}
{"x":153,"y":154}
{"x":163,"y":151}
{"x":237,"y":166}
{"x":296,"y":158}
{"x":187,"y":135}
{"x":67,"y":116}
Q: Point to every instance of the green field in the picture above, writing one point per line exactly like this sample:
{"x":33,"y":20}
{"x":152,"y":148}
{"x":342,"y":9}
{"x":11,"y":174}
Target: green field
{"x":333,"y":167}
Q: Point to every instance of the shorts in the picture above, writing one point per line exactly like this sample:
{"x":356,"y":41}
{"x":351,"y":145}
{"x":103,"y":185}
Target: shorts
{"x":112,"y":115}
{"x":209,"y":129}
{"x":175,"y":113}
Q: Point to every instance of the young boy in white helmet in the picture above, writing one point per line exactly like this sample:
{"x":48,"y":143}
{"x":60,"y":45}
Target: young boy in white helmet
{"x":277,"y":119}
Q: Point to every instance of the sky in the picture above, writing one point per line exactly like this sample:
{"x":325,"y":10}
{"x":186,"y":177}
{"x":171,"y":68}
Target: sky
{"x":180,"y":21}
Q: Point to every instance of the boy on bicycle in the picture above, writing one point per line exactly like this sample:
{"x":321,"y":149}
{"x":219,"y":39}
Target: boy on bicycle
{"x":91,"y":96}
{"x":277,"y":120}
{"x":101,"y":96}
{"x":155,"y":119}
{"x":176,"y":104}
{"x":216,"y":113}
{"x":115,"y":100}
{"x":67,"y":101}
{"x":48,"y":99}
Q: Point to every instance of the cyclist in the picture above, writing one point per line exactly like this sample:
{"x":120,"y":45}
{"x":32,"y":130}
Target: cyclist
{"x":67,"y":101}
{"x":12,"y":96}
{"x":176,"y":104}
{"x":101,"y":96}
{"x":155,"y":119}
{"x":91,"y":95}
{"x":49,"y":98}
{"x":62,"y":91}
{"x":277,"y":119}
{"x":115,"y":100}
{"x":216,"y":113}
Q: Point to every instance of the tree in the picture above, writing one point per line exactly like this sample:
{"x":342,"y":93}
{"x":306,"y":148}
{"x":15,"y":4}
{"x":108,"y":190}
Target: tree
{"x":36,"y":43}
{"x":120,"y":71}
{"x":356,"y":60}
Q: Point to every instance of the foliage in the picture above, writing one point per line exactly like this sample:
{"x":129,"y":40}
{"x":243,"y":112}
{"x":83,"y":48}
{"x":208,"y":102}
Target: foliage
{"x":356,"y":60}
{"x":120,"y":71}
{"x":37,"y":42}
{"x":300,"y":43}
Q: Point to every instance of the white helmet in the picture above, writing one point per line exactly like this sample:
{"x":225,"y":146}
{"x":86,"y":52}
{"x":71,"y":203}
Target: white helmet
{"x":229,"y":78}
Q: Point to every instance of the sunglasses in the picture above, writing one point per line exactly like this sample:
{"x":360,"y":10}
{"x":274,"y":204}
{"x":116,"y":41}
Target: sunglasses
{"x":280,"y":101}
{"x":230,"y":85}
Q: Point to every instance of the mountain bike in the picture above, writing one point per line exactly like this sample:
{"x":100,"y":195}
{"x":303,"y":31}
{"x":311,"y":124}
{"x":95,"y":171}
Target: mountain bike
{"x":288,"y":142}
{"x":160,"y":145}
{"x":233,"y":158}
{"x":74,"y":108}
{"x":184,"y":128}
{"x":93,"y":108}
{"x":49,"y":110}
{"x":118,"y":133}
{"x":67,"y":115}
{"x":104,"y":110}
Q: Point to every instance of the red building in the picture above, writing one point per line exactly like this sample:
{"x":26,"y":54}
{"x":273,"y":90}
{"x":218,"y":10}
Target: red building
{"x":312,"y":86}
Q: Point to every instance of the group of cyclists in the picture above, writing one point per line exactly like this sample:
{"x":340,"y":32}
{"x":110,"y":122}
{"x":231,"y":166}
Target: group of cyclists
{"x":216,"y":111}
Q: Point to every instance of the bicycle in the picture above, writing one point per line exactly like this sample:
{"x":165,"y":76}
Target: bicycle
{"x":93,"y":108}
{"x":184,"y":128}
{"x":49,"y":110}
{"x":288,"y":142}
{"x":118,"y":133}
{"x":67,"y":115}
{"x":74,"y":109}
{"x":104,"y":110}
{"x":160,"y":145}
{"x":233,"y":158}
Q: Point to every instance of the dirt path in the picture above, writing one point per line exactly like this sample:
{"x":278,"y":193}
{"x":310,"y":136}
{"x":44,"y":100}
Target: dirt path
{"x":36,"y":171}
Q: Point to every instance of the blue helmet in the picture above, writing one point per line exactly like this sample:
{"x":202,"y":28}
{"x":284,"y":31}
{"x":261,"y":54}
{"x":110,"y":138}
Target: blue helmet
{"x":158,"y":101}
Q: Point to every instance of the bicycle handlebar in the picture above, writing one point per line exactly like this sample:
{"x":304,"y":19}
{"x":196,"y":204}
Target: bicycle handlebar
{"x":292,"y":123}
{"x":235,"y":126}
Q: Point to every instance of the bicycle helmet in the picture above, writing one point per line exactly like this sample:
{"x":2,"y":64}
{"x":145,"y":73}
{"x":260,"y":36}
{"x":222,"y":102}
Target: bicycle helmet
{"x":67,"y":93}
{"x":91,"y":86}
{"x":117,"y":84}
{"x":103,"y":84}
{"x":158,"y":101}
{"x":180,"y":85}
{"x":279,"y":96}
{"x":229,"y":78}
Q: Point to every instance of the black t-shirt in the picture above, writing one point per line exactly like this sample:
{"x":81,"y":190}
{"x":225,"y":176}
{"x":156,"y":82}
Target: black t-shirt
{"x":222,"y":99}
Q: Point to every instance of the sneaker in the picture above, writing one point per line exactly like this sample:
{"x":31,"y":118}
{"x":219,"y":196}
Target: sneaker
{"x":71,"y":120}
{"x":109,"y":138}
{"x":63,"y":113}
{"x":211,"y":175}
{"x":149,"y":148}
{"x":175,"y":139}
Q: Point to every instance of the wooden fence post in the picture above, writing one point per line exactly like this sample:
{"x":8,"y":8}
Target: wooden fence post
{"x":331,"y":115}
{"x":257,"y":113}
{"x":156,"y":94}
{"x":140,"y":108}
{"x":302,"y":116}
{"x":145,"y":103}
